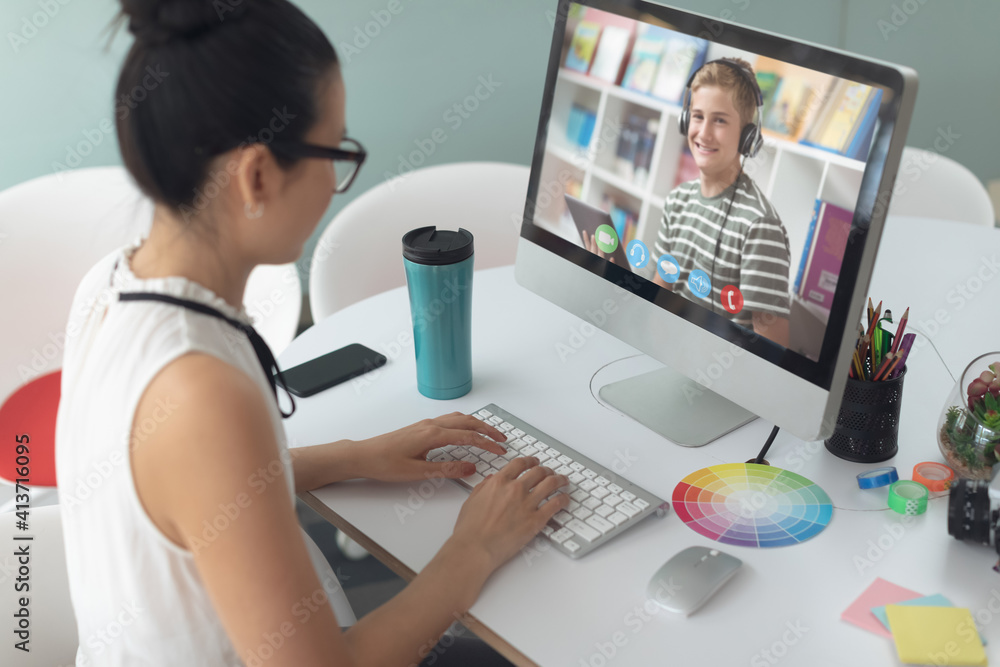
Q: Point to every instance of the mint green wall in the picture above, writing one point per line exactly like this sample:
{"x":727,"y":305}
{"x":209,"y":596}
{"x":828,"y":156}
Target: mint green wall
{"x":56,"y":87}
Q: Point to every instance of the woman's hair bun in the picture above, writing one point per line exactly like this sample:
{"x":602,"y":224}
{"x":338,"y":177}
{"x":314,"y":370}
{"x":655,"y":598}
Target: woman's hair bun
{"x":160,"y":21}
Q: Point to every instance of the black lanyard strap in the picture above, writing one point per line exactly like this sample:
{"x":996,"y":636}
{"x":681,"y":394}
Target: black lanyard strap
{"x":259,"y":346}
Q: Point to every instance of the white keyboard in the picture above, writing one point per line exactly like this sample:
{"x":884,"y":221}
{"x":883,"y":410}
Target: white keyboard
{"x":602,"y":505}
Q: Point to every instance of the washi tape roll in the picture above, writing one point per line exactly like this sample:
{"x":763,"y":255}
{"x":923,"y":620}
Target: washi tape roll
{"x":871,"y":479}
{"x":908,"y":497}
{"x":935,"y":476}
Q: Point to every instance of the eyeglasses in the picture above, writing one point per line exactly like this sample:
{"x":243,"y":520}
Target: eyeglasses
{"x":347,"y":158}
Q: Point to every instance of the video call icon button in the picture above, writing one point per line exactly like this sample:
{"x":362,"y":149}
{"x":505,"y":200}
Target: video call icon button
{"x":732,"y":299}
{"x":668,"y":268}
{"x":607,"y":239}
{"x":699,"y":284}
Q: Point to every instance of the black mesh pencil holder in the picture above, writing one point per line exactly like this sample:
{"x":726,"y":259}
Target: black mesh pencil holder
{"x":868,"y":421}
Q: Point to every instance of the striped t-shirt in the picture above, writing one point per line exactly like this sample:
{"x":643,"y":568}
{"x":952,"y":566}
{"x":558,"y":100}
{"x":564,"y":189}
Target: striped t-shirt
{"x":753,"y":252}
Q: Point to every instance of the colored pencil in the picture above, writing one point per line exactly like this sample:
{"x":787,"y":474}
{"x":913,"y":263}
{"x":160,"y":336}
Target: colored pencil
{"x":899,"y":330}
{"x":884,"y":367}
{"x":871,"y":325}
{"x":897,"y":367}
{"x":871,"y":310}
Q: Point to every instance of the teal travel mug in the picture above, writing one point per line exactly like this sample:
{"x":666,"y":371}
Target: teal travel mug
{"x":438,"y":267}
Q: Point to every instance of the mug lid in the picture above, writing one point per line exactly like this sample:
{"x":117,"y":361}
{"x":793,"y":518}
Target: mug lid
{"x":429,"y":245}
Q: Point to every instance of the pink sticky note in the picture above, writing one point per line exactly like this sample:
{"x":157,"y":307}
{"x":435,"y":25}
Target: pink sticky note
{"x":881,"y":592}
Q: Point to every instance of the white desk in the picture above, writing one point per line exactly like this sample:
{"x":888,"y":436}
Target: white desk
{"x":545,"y":608}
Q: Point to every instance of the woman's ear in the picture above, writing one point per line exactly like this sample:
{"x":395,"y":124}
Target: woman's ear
{"x":250,"y":178}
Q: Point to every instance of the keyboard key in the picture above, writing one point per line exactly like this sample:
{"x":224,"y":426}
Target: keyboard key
{"x":589,"y":474}
{"x":482,"y":466}
{"x":571,"y":546}
{"x":600,"y":492}
{"x":565,"y":460}
{"x":564,"y":470}
{"x":542,"y":457}
{"x":485,"y":413}
{"x":505,"y":426}
{"x":540,"y":445}
{"x":487,"y":456}
{"x":474,"y":479}
{"x":479,"y":417}
{"x":612,"y":500}
{"x":441,"y":458}
{"x":578,"y":467}
{"x":588,"y":485}
{"x":548,"y":530}
{"x":628,"y":509}
{"x":515,"y":444}
{"x":528,"y":451}
{"x":499,"y":463}
{"x":510,"y":454}
{"x":628,"y":495}
{"x":470,"y":458}
{"x":614,"y":488}
{"x":517,"y":433}
{"x":579,"y":495}
{"x":581,"y":512}
{"x":562,"y":517}
{"x":617,"y":518}
{"x":600,"y":524}
{"x":575,"y":478}
{"x":458,"y":452}
{"x":553,"y":452}
{"x":561,"y":535}
{"x":528,"y":439}
{"x":603,"y":481}
{"x":604,"y":511}
{"x":488,"y":472}
{"x":583,"y":530}
{"x":640,"y":503}
{"x":572,"y":505}
{"x":591,"y":503}
{"x":494,"y":420}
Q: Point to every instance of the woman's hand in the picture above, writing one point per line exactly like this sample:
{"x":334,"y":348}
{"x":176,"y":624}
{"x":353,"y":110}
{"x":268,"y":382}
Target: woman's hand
{"x":401,"y":456}
{"x":502,"y":514}
{"x":590,"y":243}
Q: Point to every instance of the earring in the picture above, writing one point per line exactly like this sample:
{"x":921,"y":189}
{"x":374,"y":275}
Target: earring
{"x":255,"y":213}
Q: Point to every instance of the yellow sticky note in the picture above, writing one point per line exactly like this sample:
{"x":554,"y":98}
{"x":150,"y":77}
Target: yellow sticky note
{"x":935,"y":635}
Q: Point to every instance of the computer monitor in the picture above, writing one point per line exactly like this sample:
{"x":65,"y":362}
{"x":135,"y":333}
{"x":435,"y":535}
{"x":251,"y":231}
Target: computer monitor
{"x":746,"y":279}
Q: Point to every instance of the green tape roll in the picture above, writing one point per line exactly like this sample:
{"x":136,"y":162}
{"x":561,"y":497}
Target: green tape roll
{"x":908,"y":497}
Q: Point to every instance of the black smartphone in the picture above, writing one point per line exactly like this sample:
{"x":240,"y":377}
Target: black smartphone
{"x":331,"y":369}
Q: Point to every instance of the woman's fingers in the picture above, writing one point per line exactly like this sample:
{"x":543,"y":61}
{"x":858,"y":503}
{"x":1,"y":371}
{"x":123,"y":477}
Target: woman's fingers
{"x":513,"y":470}
{"x":548,"y":486}
{"x":461,"y":420}
{"x":534,"y":476}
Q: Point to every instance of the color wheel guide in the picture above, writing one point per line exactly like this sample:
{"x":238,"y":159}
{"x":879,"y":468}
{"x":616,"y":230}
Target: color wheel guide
{"x":752,"y":505}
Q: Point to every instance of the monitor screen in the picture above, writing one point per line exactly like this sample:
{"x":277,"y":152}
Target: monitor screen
{"x":743,"y":212}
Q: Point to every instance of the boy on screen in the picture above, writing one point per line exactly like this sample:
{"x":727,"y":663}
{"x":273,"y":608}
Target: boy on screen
{"x":722,"y":223}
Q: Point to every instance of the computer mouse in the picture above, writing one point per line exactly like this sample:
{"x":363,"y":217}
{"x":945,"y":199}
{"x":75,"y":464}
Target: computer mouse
{"x":685,"y":582}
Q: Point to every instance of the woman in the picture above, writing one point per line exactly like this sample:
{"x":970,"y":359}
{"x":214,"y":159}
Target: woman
{"x":190,"y":545}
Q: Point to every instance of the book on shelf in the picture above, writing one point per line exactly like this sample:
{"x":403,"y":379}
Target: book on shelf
{"x":645,"y":58}
{"x":580,"y":125}
{"x":767,"y":82}
{"x":623,"y":218}
{"x":682,"y":55}
{"x":581,"y":49}
{"x":792,"y":99}
{"x":844,"y":117}
{"x":608,"y":60}
{"x":634,"y":153}
{"x":861,"y":141}
{"x":817,"y":277}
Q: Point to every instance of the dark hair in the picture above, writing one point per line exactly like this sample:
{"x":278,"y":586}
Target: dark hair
{"x":206,"y":76}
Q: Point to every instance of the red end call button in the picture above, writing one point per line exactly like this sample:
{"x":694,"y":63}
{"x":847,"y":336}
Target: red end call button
{"x":732,"y":299}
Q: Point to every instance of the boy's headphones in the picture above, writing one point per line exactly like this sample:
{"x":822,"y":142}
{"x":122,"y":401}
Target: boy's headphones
{"x":751,"y":138}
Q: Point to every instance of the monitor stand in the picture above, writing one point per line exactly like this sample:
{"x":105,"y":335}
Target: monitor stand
{"x":679,"y":409}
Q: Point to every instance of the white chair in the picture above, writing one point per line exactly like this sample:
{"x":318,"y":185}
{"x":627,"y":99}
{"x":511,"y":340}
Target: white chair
{"x":360,"y":252}
{"x":931,"y":185}
{"x":52,"y":230}
{"x":53,"y":638}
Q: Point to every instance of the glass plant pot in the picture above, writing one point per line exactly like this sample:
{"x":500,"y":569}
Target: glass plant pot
{"x":969,"y":427}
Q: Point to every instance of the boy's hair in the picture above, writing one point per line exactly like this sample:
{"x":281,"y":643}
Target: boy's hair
{"x":743,"y":95}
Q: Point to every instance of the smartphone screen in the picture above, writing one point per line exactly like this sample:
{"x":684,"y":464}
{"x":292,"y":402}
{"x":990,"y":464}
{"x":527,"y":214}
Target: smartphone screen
{"x":331,"y":369}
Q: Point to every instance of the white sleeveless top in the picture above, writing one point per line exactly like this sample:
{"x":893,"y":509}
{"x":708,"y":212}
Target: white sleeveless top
{"x":137,"y":596}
